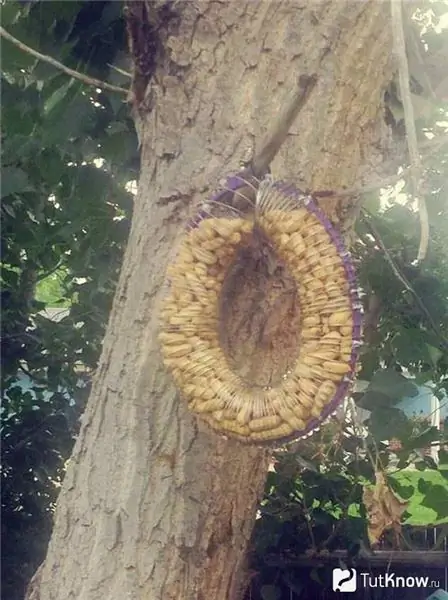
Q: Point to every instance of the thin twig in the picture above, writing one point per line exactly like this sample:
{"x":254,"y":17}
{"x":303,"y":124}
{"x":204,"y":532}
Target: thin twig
{"x":51,"y":61}
{"x":411,"y":134}
{"x":121,"y":71}
{"x":308,"y":523}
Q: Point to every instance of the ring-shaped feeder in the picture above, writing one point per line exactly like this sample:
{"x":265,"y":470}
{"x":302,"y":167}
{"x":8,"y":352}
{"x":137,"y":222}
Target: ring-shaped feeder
{"x":261,"y":325}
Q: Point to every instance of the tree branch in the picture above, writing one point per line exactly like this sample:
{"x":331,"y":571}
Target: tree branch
{"x":411,"y":135}
{"x":275,"y":138}
{"x":51,"y":61}
{"x":121,"y":71}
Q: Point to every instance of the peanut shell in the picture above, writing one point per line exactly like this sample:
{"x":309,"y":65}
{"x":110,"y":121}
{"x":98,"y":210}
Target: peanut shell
{"x":326,"y":391}
{"x":346,"y":330}
{"x":265,"y":423}
{"x":291,"y":419}
{"x":336,"y":367}
{"x":272,"y":434}
{"x":171,"y":338}
{"x":339,"y":318}
{"x":234,"y":427}
{"x":177,"y":351}
{"x":210,"y":405}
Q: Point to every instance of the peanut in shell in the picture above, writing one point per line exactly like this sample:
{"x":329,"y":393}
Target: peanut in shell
{"x":312,"y":321}
{"x":304,"y":400}
{"x":284,"y":430}
{"x":244,"y":415}
{"x":341,"y":368}
{"x":296,"y":243}
{"x":291,"y":419}
{"x":210,"y":405}
{"x":233,"y":427}
{"x":291,"y":224}
{"x":311,"y":333}
{"x":310,"y":360}
{"x":346,"y":329}
{"x":326,"y":391}
{"x":340,"y":318}
{"x":302,"y":370}
{"x":264,"y":423}
{"x":172,"y":339}
{"x":205,"y":391}
{"x":316,"y":411}
{"x":327,"y":354}
{"x":177,"y":351}
{"x":307,"y":386}
{"x":224,"y":415}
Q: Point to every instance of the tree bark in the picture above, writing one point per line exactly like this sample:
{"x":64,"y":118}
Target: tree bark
{"x":154,"y":505}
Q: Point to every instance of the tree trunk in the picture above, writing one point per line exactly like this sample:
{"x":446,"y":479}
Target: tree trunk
{"x":154,"y":505}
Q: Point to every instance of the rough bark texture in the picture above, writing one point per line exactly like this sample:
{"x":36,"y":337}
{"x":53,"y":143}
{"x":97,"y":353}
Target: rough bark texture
{"x":154,"y":505}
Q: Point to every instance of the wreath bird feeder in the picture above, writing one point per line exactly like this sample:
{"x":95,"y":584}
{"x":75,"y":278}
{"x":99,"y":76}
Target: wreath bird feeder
{"x":261,"y":325}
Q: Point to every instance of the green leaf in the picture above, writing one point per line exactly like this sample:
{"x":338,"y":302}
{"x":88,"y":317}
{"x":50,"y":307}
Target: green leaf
{"x":57,"y":96}
{"x":119,"y":147}
{"x":14,"y":181}
{"x":404,"y":491}
{"x":9,"y":210}
{"x":435,"y":497}
{"x":116,"y":127}
{"x":14,"y":58}
{"x":423,"y":377}
{"x":405,"y":343}
{"x":443,"y":463}
{"x":372,"y":400}
{"x":434,"y":354}
{"x":10,"y":13}
{"x":388,"y":423}
{"x":387,"y":387}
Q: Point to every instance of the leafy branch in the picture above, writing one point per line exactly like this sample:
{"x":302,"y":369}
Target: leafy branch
{"x":401,"y":277}
{"x":55,"y":63}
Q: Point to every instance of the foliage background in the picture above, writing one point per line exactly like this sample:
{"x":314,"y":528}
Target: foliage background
{"x":69,"y":152}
